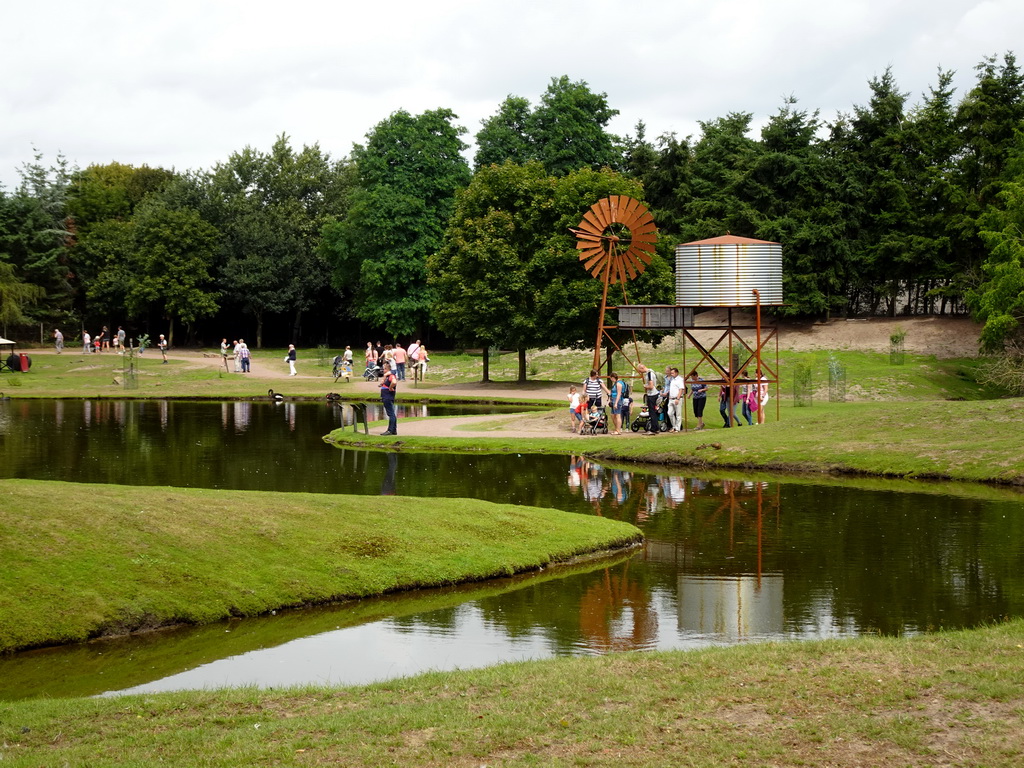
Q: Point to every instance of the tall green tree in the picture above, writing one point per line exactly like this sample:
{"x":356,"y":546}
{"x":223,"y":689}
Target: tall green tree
{"x":509,"y":273}
{"x":987,"y":120}
{"x":101,"y":202}
{"x":35,"y":236}
{"x":787,"y":187}
{"x":270,"y":208}
{"x":504,"y":135}
{"x":174,"y":251}
{"x":409,"y":171}
{"x":714,"y":200}
{"x":565,"y":132}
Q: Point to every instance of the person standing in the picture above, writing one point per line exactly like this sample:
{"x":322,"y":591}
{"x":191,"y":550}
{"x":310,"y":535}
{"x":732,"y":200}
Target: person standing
{"x":650,"y":382}
{"x":747,"y":391}
{"x":224,"y":353}
{"x":371,"y":355}
{"x":244,"y":355}
{"x":676,"y":391}
{"x":388,"y":385}
{"x":593,"y":388}
{"x":162,"y":343}
{"x":236,"y":352}
{"x":120,"y":339}
{"x":290,"y":359}
{"x":86,"y":342}
{"x":725,"y":402}
{"x":58,"y":340}
{"x":413,"y":352}
{"x":699,"y":396}
{"x":399,"y":357}
{"x":575,"y":417}
{"x":762,"y":396}
{"x":618,"y":394}
{"x":422,"y":360}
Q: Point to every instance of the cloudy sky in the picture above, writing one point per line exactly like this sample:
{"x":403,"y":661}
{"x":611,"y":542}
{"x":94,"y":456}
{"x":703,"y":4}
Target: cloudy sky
{"x":184,"y":84}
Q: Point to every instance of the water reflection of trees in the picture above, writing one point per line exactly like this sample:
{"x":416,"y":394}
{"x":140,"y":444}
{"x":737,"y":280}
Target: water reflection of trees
{"x":863,"y":560}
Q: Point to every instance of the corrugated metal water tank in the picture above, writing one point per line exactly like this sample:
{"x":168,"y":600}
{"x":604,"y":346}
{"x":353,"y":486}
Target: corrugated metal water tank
{"x":723,"y":271}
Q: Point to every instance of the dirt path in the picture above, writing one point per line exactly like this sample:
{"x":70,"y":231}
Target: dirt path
{"x":940,"y":336}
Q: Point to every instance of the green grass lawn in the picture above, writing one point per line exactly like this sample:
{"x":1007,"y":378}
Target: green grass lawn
{"x":81,"y":561}
{"x":946,"y":699}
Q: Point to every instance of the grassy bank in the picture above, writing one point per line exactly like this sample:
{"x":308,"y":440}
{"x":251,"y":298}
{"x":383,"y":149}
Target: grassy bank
{"x":80,"y":561}
{"x":868,"y":375}
{"x":952,"y":698}
{"x":976,"y":441}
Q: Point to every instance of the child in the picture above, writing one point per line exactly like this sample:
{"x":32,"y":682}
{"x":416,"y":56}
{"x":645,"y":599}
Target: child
{"x":575,"y":417}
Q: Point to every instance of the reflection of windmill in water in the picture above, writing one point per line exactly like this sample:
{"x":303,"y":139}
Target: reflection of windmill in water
{"x":616,"y":239}
{"x":616,"y":613}
{"x":727,"y":591}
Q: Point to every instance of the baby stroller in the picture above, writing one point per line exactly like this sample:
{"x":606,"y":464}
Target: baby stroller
{"x":340,"y":368}
{"x":373,"y":372}
{"x":595,"y":421}
{"x":640,"y":422}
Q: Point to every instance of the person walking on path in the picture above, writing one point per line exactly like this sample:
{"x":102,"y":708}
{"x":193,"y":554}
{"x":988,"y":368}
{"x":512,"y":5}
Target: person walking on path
{"x":699,"y":396}
{"x":86,"y":343}
{"x":388,"y":385}
{"x":162,"y":343}
{"x":120,"y":339}
{"x":650,"y":381}
{"x":290,"y":359}
{"x":58,"y":340}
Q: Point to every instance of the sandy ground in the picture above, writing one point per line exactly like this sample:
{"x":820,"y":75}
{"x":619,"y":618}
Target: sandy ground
{"x":941,"y":336}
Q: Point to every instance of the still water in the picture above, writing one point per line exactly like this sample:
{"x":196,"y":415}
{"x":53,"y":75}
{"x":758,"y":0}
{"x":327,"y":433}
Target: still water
{"x":726,"y":559}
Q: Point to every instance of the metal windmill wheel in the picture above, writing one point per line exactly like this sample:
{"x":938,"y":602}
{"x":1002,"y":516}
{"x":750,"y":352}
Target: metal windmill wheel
{"x":616,"y":239}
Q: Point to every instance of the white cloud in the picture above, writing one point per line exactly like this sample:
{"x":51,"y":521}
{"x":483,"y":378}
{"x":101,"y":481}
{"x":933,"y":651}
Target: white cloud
{"x":188,"y":83}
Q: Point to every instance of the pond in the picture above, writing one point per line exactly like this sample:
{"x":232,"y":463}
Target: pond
{"x":726,"y":559}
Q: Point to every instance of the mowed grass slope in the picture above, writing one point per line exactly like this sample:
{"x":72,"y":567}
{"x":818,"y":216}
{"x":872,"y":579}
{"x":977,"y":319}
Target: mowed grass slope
{"x":85,"y":560}
{"x":948,"y":699}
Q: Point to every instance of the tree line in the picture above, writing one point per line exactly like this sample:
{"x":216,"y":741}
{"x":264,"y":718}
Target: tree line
{"x":892,"y":208}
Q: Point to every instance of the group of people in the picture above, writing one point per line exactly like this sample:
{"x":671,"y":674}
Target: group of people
{"x":397,"y":357}
{"x":594,"y":389}
{"x":105,"y":340}
{"x":238,"y":350}
{"x":93,"y":344}
{"x":664,"y":399}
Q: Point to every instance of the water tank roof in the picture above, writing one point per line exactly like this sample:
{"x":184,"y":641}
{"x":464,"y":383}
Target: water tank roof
{"x":731,"y":240}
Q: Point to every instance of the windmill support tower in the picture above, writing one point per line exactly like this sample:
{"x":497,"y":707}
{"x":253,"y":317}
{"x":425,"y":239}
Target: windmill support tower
{"x":616,"y":239}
